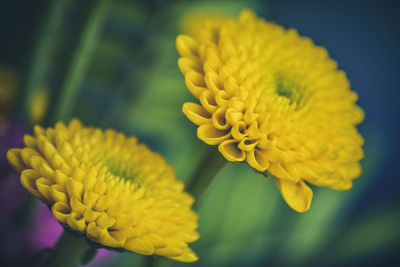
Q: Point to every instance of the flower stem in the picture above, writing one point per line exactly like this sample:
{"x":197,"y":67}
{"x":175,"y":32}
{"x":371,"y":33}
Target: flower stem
{"x":206,"y":175}
{"x":78,"y":60}
{"x":69,"y":251}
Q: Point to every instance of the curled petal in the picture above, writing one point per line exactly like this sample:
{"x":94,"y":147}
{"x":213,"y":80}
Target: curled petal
{"x":196,"y":113}
{"x":195,"y":82}
{"x":250,"y":117}
{"x":110,"y":241}
{"x":43,"y":185}
{"x":61,"y":211}
{"x":187,"y":64}
{"x":28,"y":179}
{"x":233,"y":117}
{"x":219,"y":119}
{"x":239,"y":131}
{"x":207,"y":100}
{"x":187,"y":46}
{"x":222,"y":98}
{"x":14,"y":157}
{"x":247,"y":144}
{"x":210,"y":135}
{"x":297,"y":195}
{"x":213,"y":82}
{"x":229,"y":149}
{"x":257,"y":160}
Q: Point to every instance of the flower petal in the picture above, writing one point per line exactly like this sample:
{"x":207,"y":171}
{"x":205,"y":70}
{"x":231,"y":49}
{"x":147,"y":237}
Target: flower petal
{"x":187,"y":46}
{"x":210,"y":135}
{"x":187,"y":64}
{"x":280,"y":171}
{"x":14,"y":157}
{"x":229,"y":149}
{"x":207,"y":100}
{"x":257,"y":160}
{"x":139,"y":245}
{"x":195,"y":83}
{"x":196,"y":113}
{"x":297,"y":195}
{"x":187,"y":256}
{"x":219,"y":119}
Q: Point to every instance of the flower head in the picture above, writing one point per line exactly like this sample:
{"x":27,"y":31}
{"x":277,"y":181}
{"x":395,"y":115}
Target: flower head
{"x":107,"y":186}
{"x":272,"y":98}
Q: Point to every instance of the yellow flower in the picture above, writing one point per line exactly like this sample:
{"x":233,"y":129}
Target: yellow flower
{"x":107,"y":186}
{"x":272,"y":98}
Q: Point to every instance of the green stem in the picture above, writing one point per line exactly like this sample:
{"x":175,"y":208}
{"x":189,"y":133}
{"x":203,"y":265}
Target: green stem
{"x":69,"y":251}
{"x":206,"y":175}
{"x":94,"y":16}
{"x":43,"y":53}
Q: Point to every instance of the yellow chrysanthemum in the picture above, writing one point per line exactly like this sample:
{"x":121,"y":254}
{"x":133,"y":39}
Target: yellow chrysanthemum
{"x":274,"y":99}
{"x":107,"y":186}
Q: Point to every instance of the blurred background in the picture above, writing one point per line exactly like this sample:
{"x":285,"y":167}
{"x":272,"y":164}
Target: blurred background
{"x":127,"y":79}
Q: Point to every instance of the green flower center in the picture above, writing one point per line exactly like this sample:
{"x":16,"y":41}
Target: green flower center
{"x":287,"y":88}
{"x":118,"y":168}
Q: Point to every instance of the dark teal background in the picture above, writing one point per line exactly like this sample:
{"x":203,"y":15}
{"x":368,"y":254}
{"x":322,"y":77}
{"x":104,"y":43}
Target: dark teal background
{"x":134,"y":85}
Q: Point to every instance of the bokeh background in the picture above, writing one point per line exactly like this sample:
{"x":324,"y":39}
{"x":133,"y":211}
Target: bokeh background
{"x":132,"y":84}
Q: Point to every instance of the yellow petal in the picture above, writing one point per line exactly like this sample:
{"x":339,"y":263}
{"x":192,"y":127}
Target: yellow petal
{"x":187,"y":46}
{"x":29,"y":141}
{"x":207,"y":100}
{"x":94,"y":231}
{"x":297,"y":195}
{"x":195,"y":83}
{"x":257,"y":160}
{"x":61,"y":212}
{"x":213,"y":82}
{"x":279,"y":171}
{"x":239,"y":130}
{"x":247,"y":144}
{"x":187,"y":256}
{"x":105,"y":221}
{"x":247,"y":17}
{"x":169,"y":251}
{"x":43,"y":185}
{"x":187,"y":64}
{"x":77,"y":224}
{"x":110,"y":241}
{"x":210,"y":135}
{"x":230,"y":150}
{"x":57,"y":193}
{"x":14,"y":158}
{"x":124,"y":221}
{"x":28,"y":180}
{"x":219,"y":119}
{"x":139,"y":245}
{"x":74,"y":188}
{"x":196,"y":113}
{"x":234,"y":117}
{"x":91,"y":215}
